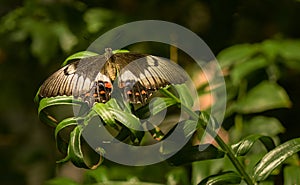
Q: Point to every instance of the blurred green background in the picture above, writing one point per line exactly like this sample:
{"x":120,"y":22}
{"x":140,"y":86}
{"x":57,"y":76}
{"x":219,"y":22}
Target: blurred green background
{"x":37,"y":35}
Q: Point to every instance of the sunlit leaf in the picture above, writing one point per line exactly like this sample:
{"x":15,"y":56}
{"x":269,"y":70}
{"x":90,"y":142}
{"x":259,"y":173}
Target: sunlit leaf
{"x":241,"y":70}
{"x":242,"y":147}
{"x":160,"y":104}
{"x":222,"y":178}
{"x":74,"y":149}
{"x":54,"y":109}
{"x":65,"y":123}
{"x":130,"y":121}
{"x":79,"y":55}
{"x":236,"y":54}
{"x":264,"y":96}
{"x":185,"y":96}
{"x":58,"y":100}
{"x":120,"y":51}
{"x":262,"y":124}
{"x":274,"y":158}
{"x":290,"y":54}
{"x":104,"y":112}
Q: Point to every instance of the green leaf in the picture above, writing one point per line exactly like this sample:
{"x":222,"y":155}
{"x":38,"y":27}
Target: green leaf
{"x":100,"y":174}
{"x":190,"y":154}
{"x":65,"y":123}
{"x":58,"y":100}
{"x":103,"y":111}
{"x":236,"y":54}
{"x":36,"y":99}
{"x":229,"y":177}
{"x":120,"y":51}
{"x":159,"y":104}
{"x":264,"y":96}
{"x":54,"y":109}
{"x":291,"y":175}
{"x":74,"y":149}
{"x":130,"y":121}
{"x":262,"y":124}
{"x":184,"y":93}
{"x":178,"y":175}
{"x":291,"y":49}
{"x":156,"y":105}
{"x":243,"y":69}
{"x":79,"y":55}
{"x":274,"y":158}
{"x":189,"y":127}
{"x":242,"y":147}
{"x":49,"y":120}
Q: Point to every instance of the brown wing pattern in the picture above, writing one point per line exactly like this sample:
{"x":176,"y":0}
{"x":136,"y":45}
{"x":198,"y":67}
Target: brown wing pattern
{"x":91,"y":78}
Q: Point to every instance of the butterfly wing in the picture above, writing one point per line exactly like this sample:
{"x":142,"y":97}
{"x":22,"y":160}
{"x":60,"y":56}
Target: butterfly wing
{"x":79,"y":78}
{"x":141,"y":75}
{"x":90,"y":79}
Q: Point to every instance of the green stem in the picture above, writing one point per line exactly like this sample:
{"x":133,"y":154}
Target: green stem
{"x":204,"y":123}
{"x":227,"y":150}
{"x":234,"y":160}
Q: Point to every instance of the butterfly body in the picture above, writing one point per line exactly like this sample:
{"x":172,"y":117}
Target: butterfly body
{"x":93,"y":79}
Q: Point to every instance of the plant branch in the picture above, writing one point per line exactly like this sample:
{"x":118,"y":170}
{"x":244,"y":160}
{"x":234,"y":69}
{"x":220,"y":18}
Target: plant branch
{"x":204,"y":121}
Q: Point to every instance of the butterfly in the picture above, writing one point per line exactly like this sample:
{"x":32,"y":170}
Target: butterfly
{"x":93,"y":79}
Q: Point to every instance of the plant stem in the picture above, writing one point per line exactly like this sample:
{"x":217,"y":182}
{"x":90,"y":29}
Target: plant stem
{"x":223,"y":145}
{"x":204,"y":122}
{"x":234,"y":160}
{"x":228,"y":151}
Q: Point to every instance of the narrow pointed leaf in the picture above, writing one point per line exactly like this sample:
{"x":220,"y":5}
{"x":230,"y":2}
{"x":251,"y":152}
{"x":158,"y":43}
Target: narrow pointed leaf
{"x":185,"y":96}
{"x":243,"y":147}
{"x":74,"y":150}
{"x":223,"y":178}
{"x":130,"y":121}
{"x":47,"y":119}
{"x":65,"y":123}
{"x":127,"y":119}
{"x":58,"y":100}
{"x":103,"y":111}
{"x":156,"y":106}
{"x":160,"y":104}
{"x":79,"y":55}
{"x":274,"y":158}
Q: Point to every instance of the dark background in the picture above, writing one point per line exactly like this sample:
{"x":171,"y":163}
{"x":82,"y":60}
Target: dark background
{"x":34,"y":39}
